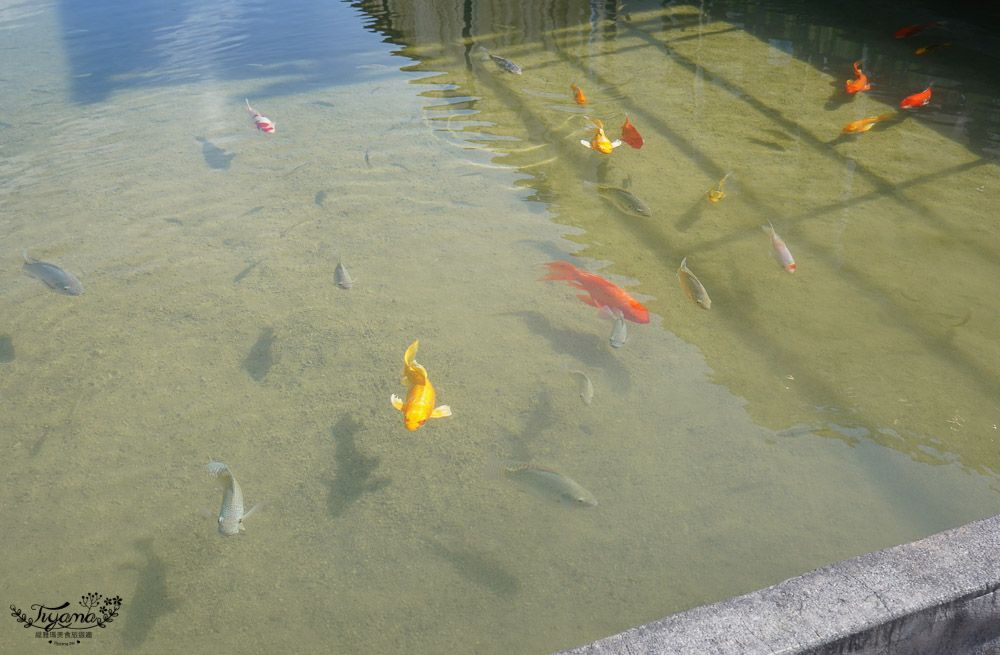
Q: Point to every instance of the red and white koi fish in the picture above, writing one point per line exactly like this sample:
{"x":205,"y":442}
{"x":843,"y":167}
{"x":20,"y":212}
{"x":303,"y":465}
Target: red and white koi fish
{"x":262,"y":123}
{"x":779,"y":250}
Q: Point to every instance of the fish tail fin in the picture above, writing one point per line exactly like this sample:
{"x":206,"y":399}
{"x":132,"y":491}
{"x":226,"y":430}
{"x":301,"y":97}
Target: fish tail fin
{"x":889,"y":114}
{"x":28,"y":259}
{"x":484,"y":51}
{"x":769,"y":229}
{"x":496,"y":467}
{"x":249,"y":108}
{"x":559,"y":271}
{"x":590,"y":187}
{"x":219,"y":470}
{"x":410,"y":353}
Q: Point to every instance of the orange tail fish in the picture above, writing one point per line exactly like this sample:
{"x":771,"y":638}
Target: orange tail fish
{"x":578,"y":94}
{"x":600,"y":292}
{"x":630,"y":135}
{"x":600,"y":142}
{"x":419,"y":403}
{"x":866,"y":124}
{"x":860,"y":83}
{"x":917,"y":99}
{"x":914,"y":29}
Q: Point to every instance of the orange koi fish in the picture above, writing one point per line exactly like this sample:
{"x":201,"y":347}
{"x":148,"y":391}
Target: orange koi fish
{"x":419,"y":403}
{"x":861,"y":81}
{"x":929,"y":47}
{"x":630,"y":135}
{"x":866,"y":124}
{"x":578,"y":94}
{"x":917,"y":99}
{"x":262,"y":123}
{"x":600,"y":292}
{"x":600,"y":142}
{"x":914,"y":29}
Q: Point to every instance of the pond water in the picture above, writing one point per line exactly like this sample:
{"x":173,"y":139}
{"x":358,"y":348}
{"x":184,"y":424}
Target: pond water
{"x":803,"y":419}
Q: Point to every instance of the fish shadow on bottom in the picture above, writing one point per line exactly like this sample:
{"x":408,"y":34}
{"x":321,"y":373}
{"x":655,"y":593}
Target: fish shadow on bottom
{"x":215,"y":156}
{"x":354,"y":473}
{"x":590,"y":349}
{"x":150,"y":601}
{"x":6,"y":350}
{"x":261,"y":357}
{"x":478,"y":569}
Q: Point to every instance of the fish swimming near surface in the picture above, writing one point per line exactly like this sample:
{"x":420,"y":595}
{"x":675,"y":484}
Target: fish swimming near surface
{"x":692,"y":287}
{"x":779,"y":250}
{"x":619,"y":333}
{"x":502,"y":63}
{"x":915,"y":29}
{"x":342,"y":277}
{"x":543,"y":483}
{"x":231,"y":514}
{"x":578,"y":94}
{"x":262,"y":123}
{"x":625,"y":201}
{"x":419,"y":403}
{"x":600,"y":292}
{"x":930,"y":47}
{"x":860,"y":83}
{"x":54,"y":277}
{"x":866,"y":124}
{"x":630,"y":135}
{"x":600,"y":141}
{"x":586,"y":386}
{"x":917,"y":99}
{"x":715,"y":194}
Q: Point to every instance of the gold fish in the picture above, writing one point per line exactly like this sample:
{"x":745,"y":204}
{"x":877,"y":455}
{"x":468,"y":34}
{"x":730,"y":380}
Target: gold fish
{"x":692,"y":287}
{"x":715,"y":194}
{"x":419,"y":404}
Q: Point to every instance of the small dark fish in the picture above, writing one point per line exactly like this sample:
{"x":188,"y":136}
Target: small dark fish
{"x":320,"y":195}
{"x":54,"y":277}
{"x":342,"y":277}
{"x":502,"y":64}
{"x":368,"y":157}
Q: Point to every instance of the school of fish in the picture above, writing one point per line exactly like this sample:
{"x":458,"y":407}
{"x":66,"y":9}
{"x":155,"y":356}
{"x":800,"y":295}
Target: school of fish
{"x":613,"y":302}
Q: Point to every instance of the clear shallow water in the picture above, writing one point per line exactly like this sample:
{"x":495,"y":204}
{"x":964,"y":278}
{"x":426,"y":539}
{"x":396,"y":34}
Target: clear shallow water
{"x":803,"y":419}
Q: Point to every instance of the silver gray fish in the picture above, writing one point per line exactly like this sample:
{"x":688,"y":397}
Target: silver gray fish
{"x":625,"y":201}
{"x":343,"y":278}
{"x":543,"y":483}
{"x":502,"y":64}
{"x":692,"y":287}
{"x":619,"y":333}
{"x":54,"y":277}
{"x":586,"y":386}
{"x":231,"y":514}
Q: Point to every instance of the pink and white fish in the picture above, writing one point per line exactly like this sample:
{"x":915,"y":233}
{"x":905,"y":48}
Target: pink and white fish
{"x":262,"y":123}
{"x":779,"y":250}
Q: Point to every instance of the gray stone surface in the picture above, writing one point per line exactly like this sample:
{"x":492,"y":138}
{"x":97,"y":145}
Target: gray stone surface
{"x":938,"y":595}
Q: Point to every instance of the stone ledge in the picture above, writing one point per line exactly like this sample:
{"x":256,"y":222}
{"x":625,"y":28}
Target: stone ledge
{"x":938,"y":595}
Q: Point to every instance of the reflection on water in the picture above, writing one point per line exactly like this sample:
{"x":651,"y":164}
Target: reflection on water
{"x":802,"y":419}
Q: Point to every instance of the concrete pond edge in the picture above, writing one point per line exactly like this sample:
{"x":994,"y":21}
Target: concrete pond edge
{"x":935,"y":595}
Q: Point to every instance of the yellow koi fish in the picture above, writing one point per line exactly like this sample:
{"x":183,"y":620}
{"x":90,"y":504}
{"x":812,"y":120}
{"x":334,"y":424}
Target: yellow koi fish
{"x":419,"y":403}
{"x":600,"y":142}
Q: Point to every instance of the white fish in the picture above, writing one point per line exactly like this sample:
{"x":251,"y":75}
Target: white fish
{"x":586,"y":386}
{"x":543,"y":483}
{"x":231,"y":514}
{"x":619,"y":333}
{"x":692,"y":287}
{"x":342,"y":277}
{"x":778,"y":249}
